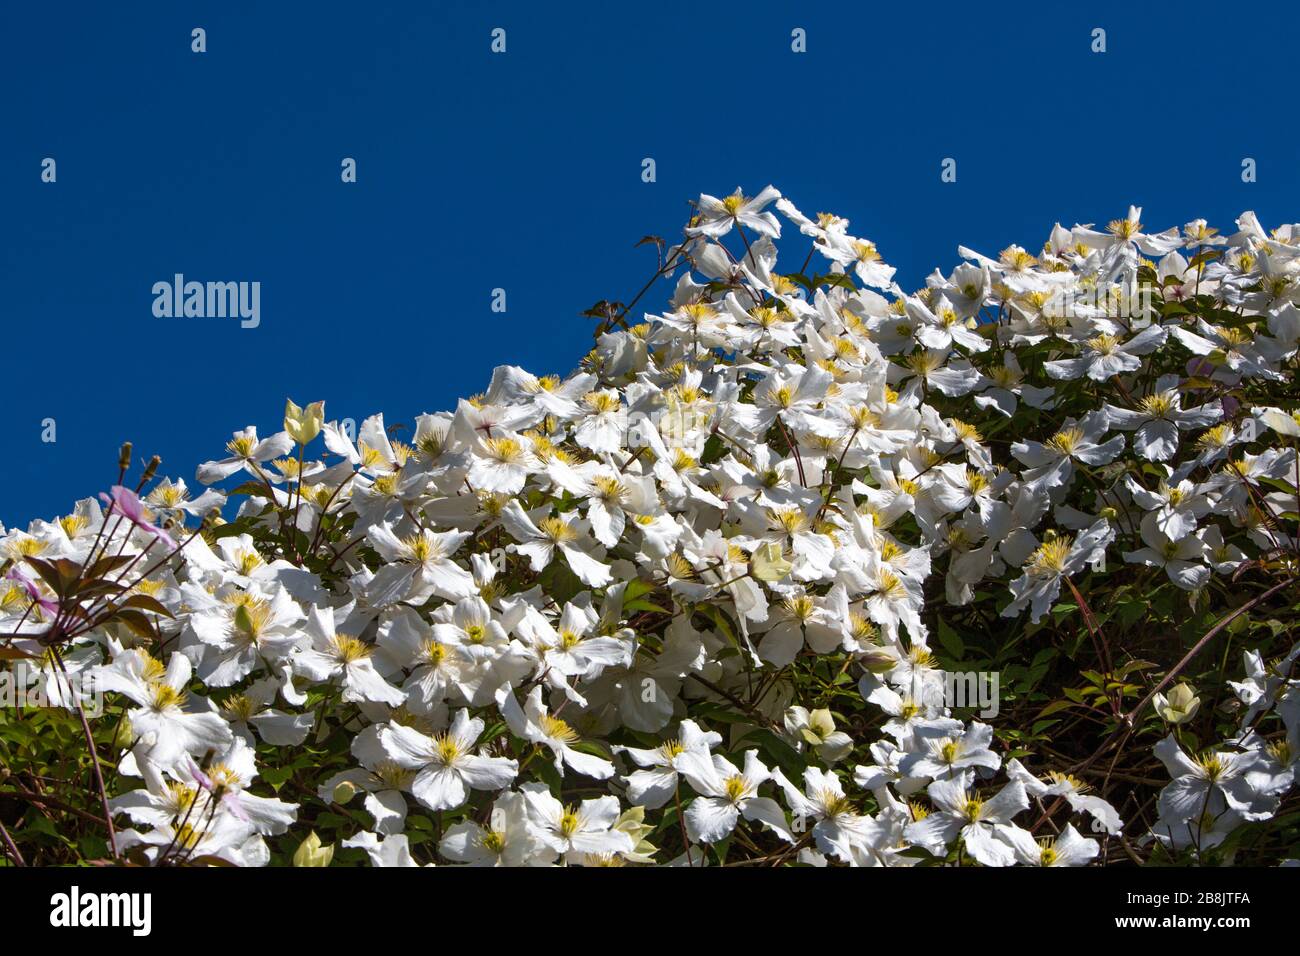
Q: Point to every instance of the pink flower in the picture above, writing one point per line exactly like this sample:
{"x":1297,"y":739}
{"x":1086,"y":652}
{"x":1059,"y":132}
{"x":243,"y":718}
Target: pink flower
{"x":228,"y":797}
{"x":127,"y":503}
{"x":16,"y":573}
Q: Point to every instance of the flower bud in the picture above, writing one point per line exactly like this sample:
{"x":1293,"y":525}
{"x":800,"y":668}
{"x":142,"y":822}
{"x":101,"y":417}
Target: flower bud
{"x":125,"y":735}
{"x":303,"y":424}
{"x":343,"y":793}
{"x":150,"y":469}
{"x":768,"y":563}
{"x":821,"y":723}
{"x":311,"y":853}
{"x":878,"y":662}
{"x":1180,"y":706}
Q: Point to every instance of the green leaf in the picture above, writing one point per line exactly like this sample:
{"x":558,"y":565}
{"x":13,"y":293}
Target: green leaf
{"x":642,"y":605}
{"x":136,"y":621}
{"x":1056,"y":706}
{"x":950,"y":640}
{"x":147,"y":603}
{"x":109,"y":564}
{"x":60,"y":574}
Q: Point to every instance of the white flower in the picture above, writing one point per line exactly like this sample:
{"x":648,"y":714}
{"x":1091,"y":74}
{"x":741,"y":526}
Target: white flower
{"x":653,"y":786}
{"x":837,"y":829}
{"x":946,"y":756}
{"x":539,"y":542}
{"x":391,"y":850}
{"x":1176,"y":508}
{"x":1056,"y":558}
{"x":577,"y":832}
{"x":246,"y":453}
{"x":421,"y":563}
{"x":1072,"y":789}
{"x":1051,"y":463}
{"x":1180,"y":558}
{"x":345,"y":658}
{"x":1158,"y":419}
{"x":534,"y":724}
{"x":981,"y":824}
{"x":509,"y":839}
{"x":448,"y":767}
{"x":166,"y":731}
{"x":726,"y":794}
{"x":1210,"y":783}
{"x":1105,"y":356}
{"x":717,"y":216}
{"x":1068,"y":848}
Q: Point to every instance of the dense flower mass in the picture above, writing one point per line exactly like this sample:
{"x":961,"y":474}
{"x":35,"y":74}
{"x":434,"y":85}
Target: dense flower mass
{"x":802,"y":568}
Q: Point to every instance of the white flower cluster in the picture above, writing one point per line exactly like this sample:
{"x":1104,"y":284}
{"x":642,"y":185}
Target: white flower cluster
{"x":577,"y":612}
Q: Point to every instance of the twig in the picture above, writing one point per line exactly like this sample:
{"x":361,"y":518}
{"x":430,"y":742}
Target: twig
{"x":94,"y":755}
{"x":11,"y":847}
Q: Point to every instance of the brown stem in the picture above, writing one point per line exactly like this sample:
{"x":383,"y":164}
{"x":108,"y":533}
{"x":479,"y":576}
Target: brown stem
{"x":51,"y":803}
{"x":94,"y":755}
{"x":681,"y":821}
{"x":1099,"y":641}
{"x":11,"y":847}
{"x":1127,"y":723}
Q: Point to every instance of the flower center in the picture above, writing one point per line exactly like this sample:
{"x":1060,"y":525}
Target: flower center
{"x":557,"y":729}
{"x":1049,"y":560}
{"x":1065,"y":441}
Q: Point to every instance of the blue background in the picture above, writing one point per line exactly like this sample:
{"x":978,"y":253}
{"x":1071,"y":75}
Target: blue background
{"x":522,"y":171}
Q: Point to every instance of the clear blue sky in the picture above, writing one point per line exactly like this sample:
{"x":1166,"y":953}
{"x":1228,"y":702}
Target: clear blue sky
{"x":522,"y":171}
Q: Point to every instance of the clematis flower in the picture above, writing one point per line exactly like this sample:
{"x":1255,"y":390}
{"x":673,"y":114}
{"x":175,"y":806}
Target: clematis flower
{"x":983,"y":825}
{"x":1176,"y":508}
{"x":1074,"y":792}
{"x":1105,"y":356}
{"x":944,"y":756}
{"x":167,"y":732}
{"x":422,"y":563}
{"x":1213,"y":781}
{"x":247,"y":452}
{"x":344,"y":658}
{"x":447,"y":768}
{"x":654,"y":785}
{"x":540,"y":541}
{"x":509,"y":839}
{"x":837,"y":829}
{"x":126,"y":503}
{"x":1159,"y":418}
{"x":576,"y":831}
{"x":1069,"y":848}
{"x":532,"y":723}
{"x":1181,"y":558}
{"x":1057,"y":558}
{"x":1052,"y":463}
{"x":726,"y":794}
{"x":717,"y":216}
